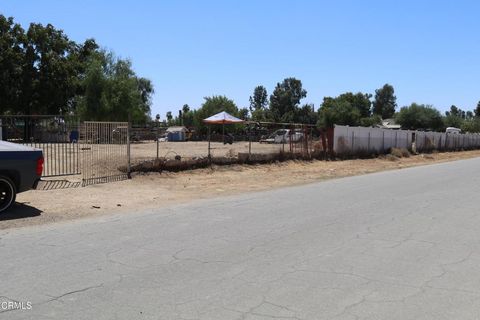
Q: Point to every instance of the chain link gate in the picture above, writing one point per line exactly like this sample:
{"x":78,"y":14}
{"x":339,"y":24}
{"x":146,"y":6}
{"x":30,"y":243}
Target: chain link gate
{"x":105,"y":152}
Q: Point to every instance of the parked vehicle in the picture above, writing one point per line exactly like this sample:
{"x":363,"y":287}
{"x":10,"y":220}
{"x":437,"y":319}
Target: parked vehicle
{"x":20,"y":170}
{"x":284,"y":136}
{"x":453,"y":130}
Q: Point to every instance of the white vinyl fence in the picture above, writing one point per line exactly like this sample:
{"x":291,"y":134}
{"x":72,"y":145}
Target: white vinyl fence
{"x":363,"y":141}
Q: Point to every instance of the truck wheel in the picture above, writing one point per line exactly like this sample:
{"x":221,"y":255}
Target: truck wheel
{"x":7,"y":193}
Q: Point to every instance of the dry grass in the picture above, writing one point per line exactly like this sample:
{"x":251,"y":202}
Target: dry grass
{"x":400,"y":153}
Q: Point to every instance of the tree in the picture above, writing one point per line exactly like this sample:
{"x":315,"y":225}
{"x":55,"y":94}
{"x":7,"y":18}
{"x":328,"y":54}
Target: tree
{"x":477,"y":110}
{"x":453,"y":121}
{"x":285,"y":99}
{"x":385,"y":102}
{"x":169,"y":116}
{"x":360,"y":101}
{"x":43,"y":72}
{"x":259,"y":103}
{"x":337,"y":111}
{"x":12,"y":59}
{"x":471,"y":125}
{"x":347,"y":109}
{"x":419,"y":116}
{"x":211,"y":106}
{"x":306,"y":114}
{"x":454,"y":117}
{"x":112,"y":91}
{"x":185,"y":108}
{"x":259,"y":100}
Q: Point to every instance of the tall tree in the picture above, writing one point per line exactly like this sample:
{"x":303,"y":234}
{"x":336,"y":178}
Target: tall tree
{"x":385,"y":102}
{"x":285,"y":99}
{"x":259,"y":100}
{"x":259,"y":103}
{"x":12,"y":59}
{"x":113,"y":91}
{"x":169,"y":117}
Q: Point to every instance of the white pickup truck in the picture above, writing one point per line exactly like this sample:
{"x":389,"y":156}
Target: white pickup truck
{"x":284,"y":136}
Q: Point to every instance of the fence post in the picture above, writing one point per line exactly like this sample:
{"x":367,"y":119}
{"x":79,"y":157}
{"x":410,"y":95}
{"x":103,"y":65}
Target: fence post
{"x":129,"y":175}
{"x":383,"y":141}
{"x":249,"y":143}
{"x":369,"y":134}
{"x":353,"y":141}
{"x":157,"y":141}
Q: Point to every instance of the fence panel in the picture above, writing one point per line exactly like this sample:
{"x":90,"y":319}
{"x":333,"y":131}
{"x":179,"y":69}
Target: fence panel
{"x":56,"y":135}
{"x":363,"y":140}
{"x":104,"y":152}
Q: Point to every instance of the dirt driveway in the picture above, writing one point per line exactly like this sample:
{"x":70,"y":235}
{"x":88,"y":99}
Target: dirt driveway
{"x":155,"y":190}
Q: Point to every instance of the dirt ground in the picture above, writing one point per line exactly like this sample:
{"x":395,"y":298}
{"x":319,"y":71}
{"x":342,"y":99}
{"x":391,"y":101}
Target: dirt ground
{"x":154,"y":190}
{"x":191,"y":149}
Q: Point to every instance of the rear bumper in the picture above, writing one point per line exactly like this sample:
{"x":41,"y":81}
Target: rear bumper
{"x":35,"y":184}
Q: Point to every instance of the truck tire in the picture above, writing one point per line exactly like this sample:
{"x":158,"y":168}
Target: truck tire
{"x":8,"y":193}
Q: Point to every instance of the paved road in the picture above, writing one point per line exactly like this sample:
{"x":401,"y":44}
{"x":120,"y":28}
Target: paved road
{"x":393,"y":245}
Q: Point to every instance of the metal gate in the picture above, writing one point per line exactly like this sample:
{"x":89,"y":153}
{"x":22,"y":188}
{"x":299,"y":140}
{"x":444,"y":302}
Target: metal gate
{"x":56,"y":135}
{"x":104,"y":152}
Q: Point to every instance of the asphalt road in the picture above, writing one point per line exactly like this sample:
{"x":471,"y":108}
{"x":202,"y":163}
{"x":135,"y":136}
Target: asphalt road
{"x":394,"y":245}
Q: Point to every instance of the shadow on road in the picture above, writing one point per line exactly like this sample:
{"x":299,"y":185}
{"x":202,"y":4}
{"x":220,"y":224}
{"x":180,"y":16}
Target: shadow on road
{"x":20,"y":211}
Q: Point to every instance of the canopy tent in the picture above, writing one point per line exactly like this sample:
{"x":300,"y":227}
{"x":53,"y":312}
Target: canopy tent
{"x":222,"y":118}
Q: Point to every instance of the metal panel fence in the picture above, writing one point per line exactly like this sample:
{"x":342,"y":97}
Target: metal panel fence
{"x":56,"y":135}
{"x":104,"y":152}
{"x":363,"y":141}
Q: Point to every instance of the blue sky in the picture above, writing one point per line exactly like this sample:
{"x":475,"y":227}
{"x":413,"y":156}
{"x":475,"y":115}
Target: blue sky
{"x":428,"y":50}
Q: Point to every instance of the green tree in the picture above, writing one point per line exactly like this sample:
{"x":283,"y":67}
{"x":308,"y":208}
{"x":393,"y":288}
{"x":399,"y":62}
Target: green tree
{"x":306,"y":114}
{"x":259,"y":100}
{"x":112,"y":91}
{"x":43,"y":72}
{"x":385,"y":102}
{"x":454,"y":117}
{"x":419,"y":116}
{"x":285,"y":99}
{"x":471,"y":125}
{"x":211,"y":106}
{"x":347,"y":109}
{"x":259,"y":103}
{"x":338,"y":111}
{"x":360,"y":101}
{"x":243,"y":114}
{"x":477,"y":110}
{"x":12,"y":59}
{"x":169,"y":117}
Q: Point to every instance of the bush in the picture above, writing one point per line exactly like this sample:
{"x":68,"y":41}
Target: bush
{"x":400,"y":152}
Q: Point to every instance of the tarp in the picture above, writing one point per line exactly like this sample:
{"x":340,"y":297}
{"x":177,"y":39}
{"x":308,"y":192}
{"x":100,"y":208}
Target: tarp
{"x":177,"y":129}
{"x":222,"y":118}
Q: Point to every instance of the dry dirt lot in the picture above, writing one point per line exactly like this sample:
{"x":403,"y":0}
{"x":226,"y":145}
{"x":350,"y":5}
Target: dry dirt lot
{"x":155,"y":190}
{"x":148,"y":150}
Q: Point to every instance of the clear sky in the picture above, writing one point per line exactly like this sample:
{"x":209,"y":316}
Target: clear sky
{"x":428,"y":50}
